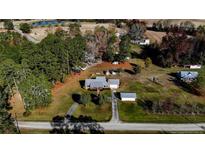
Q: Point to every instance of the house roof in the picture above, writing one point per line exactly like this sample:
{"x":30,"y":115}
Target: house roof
{"x":114,"y":81}
{"x":128,"y":95}
{"x":100,"y":78}
{"x":99,"y":82}
{"x":188,"y":74}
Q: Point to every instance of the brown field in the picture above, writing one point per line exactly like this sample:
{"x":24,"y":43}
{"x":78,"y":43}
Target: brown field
{"x":155,"y":36}
{"x":40,"y":33}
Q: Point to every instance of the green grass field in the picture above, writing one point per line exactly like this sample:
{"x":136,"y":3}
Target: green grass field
{"x":34,"y":131}
{"x":98,"y":112}
{"x":132,"y":112}
{"x":148,"y":90}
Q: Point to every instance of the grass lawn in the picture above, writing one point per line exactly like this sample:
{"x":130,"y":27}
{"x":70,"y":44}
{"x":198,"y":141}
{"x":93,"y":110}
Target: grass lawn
{"x":135,"y":48}
{"x":148,"y":90}
{"x":98,"y":112}
{"x":131,"y":112}
{"x":130,"y":132}
{"x":34,"y":131}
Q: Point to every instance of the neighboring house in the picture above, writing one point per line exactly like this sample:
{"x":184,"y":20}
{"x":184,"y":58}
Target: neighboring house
{"x":141,"y":42}
{"x":144,"y":42}
{"x":114,"y":83}
{"x":101,"y":82}
{"x":128,"y":96}
{"x":193,"y":66}
{"x":188,"y":76}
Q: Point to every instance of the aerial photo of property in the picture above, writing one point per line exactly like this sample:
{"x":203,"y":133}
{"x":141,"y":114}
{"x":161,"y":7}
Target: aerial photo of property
{"x":102,"y":76}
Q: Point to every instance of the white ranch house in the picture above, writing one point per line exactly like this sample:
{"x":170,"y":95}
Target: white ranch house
{"x":101,"y":82}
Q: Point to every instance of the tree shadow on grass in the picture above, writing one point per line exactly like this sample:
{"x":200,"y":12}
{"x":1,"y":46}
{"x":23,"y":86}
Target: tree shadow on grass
{"x":117,"y":95}
{"x":76,"y":97}
{"x":183,"y":85}
{"x":94,"y":98}
{"x":82,"y":83}
{"x":135,"y":55}
{"x":133,"y":64}
{"x":73,"y":125}
{"x":129,"y":71}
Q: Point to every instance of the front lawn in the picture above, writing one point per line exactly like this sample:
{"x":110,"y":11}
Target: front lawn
{"x":132,"y":112}
{"x":99,"y":112}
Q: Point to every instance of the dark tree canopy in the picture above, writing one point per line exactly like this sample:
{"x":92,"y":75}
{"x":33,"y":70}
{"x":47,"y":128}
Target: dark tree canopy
{"x":8,"y":24}
{"x":25,"y":27}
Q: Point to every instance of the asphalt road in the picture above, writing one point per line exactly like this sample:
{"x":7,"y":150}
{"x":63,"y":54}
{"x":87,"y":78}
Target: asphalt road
{"x":126,"y":126}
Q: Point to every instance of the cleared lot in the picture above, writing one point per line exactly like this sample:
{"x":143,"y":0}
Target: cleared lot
{"x":155,"y":36}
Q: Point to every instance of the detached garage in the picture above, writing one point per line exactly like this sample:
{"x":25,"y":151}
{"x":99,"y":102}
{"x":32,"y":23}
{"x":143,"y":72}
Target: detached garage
{"x":114,"y":83}
{"x":128,"y":96}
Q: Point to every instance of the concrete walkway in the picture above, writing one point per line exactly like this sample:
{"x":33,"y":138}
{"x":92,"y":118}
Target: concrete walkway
{"x":72,"y":108}
{"x":115,"y":114}
{"x":126,"y":126}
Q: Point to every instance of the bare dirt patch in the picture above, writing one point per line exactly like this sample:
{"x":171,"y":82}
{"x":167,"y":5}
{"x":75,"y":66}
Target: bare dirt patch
{"x":155,"y":36}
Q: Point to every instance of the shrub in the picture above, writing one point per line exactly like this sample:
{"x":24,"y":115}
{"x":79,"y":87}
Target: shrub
{"x":25,"y":27}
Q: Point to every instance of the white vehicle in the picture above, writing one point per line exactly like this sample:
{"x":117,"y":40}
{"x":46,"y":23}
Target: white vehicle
{"x":115,"y":62}
{"x":84,"y":68}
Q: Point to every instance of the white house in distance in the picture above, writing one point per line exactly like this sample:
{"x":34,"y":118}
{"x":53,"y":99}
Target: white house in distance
{"x":101,"y":82}
{"x":141,"y":42}
{"x":144,"y":42}
{"x":193,"y":66}
{"x":125,"y":96}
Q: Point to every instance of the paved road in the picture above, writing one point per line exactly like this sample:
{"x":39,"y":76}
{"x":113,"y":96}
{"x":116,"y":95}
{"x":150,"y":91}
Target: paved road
{"x":27,"y":36}
{"x":126,"y":126}
{"x":72,"y":108}
{"x":115,"y":114}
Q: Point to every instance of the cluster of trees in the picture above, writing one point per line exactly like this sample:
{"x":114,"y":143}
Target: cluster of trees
{"x":167,"y":26}
{"x":25,"y":27}
{"x":104,"y":43}
{"x":170,"y":107}
{"x":136,"y":29}
{"x":8,"y":24}
{"x":31,"y":69}
{"x":86,"y":98}
{"x":178,"y":49}
{"x":7,"y":125}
